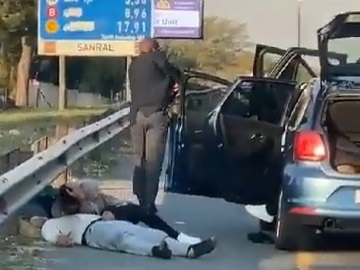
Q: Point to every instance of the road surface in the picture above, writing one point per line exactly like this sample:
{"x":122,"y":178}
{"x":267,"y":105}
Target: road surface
{"x":206,"y":217}
{"x":196,"y":216}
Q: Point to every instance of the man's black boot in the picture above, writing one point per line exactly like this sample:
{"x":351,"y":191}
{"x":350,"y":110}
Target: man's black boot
{"x":202,"y":248}
{"x":260,"y":238}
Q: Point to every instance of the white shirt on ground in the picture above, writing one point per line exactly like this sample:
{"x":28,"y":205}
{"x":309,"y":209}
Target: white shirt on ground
{"x":73,"y":225}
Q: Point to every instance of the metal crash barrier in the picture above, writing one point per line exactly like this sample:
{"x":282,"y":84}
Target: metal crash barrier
{"x":19,"y":185}
{"x":22,"y":183}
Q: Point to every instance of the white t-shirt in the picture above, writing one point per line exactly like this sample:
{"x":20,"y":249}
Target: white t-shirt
{"x":73,"y":225}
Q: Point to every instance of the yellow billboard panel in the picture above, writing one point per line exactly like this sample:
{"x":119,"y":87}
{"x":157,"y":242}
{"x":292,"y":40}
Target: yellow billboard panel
{"x":87,"y":48}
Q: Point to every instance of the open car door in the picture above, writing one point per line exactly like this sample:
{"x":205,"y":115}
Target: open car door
{"x":265,"y":58}
{"x":240,"y":141}
{"x":250,"y":122}
{"x":295,"y":65}
{"x":200,"y":94}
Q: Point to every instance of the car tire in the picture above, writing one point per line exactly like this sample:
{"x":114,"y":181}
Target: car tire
{"x":291,"y":235}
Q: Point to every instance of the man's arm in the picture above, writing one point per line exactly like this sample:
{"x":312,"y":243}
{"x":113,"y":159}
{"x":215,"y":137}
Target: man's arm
{"x":166,"y":68}
{"x":64,"y":241}
{"x":57,"y":238}
{"x":107,"y":215}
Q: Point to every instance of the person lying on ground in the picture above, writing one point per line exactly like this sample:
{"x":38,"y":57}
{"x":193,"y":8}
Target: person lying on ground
{"x":84,"y":197}
{"x":103,"y":232}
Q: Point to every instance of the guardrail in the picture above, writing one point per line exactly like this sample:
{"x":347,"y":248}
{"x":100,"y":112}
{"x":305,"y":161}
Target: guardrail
{"x":13,"y":158}
{"x":21,"y":184}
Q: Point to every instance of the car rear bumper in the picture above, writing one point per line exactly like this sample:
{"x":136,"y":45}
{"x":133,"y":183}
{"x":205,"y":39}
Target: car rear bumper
{"x":325,"y":219}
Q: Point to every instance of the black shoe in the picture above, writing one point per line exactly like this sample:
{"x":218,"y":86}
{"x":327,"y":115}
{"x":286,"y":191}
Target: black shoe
{"x":260,"y":238}
{"x":268,"y":227}
{"x":202,"y":248}
{"x":162,"y":251}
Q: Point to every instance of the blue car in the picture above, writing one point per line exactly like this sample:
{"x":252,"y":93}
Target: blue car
{"x":280,"y":137}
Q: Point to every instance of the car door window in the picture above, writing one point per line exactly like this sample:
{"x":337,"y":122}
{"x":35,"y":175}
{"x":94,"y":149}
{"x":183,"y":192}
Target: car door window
{"x":265,"y":59}
{"x":298,"y":111}
{"x":260,"y":100}
{"x":201,"y":96}
{"x":302,"y":74}
{"x":298,"y":65}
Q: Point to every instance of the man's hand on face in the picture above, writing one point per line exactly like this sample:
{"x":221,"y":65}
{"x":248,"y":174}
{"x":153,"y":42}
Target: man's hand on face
{"x":107,"y":215}
{"x":65,"y":241}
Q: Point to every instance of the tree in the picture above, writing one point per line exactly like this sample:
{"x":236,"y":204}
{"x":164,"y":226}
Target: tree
{"x":18,"y":39}
{"x":224,"y":48}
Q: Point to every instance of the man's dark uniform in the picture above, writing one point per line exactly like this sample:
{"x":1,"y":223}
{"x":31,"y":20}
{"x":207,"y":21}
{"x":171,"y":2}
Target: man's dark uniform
{"x":151,"y":81}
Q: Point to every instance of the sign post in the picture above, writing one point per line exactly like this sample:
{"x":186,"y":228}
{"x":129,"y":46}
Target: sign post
{"x":127,"y":84}
{"x":62,"y":84}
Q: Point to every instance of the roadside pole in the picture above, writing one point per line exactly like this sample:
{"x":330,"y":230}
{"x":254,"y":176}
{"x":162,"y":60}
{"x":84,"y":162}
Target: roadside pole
{"x":62,"y":83}
{"x":127,"y":82}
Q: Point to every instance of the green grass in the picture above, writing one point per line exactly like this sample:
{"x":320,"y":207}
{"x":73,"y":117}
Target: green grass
{"x":22,"y":116}
{"x":32,"y":124}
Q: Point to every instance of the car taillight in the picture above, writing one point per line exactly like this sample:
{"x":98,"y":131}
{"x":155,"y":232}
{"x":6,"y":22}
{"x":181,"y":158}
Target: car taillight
{"x":309,"y":146}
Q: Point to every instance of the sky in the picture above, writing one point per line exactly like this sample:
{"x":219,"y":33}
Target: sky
{"x":274,"y":22}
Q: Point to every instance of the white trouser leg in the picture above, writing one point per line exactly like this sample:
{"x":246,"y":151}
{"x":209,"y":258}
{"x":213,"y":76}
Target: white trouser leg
{"x":123,"y":236}
{"x":259,"y":211}
{"x":178,"y":248}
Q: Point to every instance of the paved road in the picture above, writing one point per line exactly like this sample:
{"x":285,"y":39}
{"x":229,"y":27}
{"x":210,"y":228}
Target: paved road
{"x":205,"y":217}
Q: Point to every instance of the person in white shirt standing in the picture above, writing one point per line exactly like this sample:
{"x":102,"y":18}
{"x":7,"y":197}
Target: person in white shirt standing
{"x":103,"y":232}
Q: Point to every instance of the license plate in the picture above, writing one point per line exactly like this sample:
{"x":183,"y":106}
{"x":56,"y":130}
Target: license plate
{"x":357,"y":196}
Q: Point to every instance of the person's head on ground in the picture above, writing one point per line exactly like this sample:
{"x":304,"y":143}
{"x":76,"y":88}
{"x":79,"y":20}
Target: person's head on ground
{"x":69,"y":202}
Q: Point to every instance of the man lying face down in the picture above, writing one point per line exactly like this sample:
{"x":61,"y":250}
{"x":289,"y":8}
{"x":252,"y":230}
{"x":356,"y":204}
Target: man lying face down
{"x":101,"y":232}
{"x":84,"y":197}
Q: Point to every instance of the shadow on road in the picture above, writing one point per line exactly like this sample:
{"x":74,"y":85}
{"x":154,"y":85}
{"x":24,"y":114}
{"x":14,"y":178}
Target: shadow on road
{"x":340,"y":242}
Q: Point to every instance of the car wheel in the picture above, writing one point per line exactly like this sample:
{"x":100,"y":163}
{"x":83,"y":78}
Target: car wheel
{"x":291,"y":235}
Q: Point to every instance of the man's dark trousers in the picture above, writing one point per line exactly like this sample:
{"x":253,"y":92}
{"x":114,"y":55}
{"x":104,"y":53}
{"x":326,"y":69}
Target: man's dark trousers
{"x":149,"y":139}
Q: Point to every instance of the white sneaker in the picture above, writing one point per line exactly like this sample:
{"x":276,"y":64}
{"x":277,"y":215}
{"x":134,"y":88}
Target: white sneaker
{"x":259,"y":211}
{"x":184,"y":238}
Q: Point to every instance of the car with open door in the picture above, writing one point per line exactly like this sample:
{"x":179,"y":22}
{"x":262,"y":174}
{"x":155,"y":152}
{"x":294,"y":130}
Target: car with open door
{"x":320,"y":190}
{"x":198,"y":140}
{"x":235,"y":151}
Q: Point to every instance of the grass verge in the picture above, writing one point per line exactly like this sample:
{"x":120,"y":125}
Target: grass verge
{"x":20,"y":116}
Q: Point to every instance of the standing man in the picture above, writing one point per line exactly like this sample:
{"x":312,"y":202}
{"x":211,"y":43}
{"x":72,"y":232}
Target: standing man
{"x":152,"y":83}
